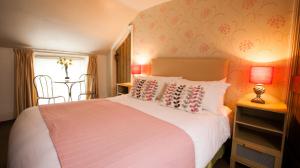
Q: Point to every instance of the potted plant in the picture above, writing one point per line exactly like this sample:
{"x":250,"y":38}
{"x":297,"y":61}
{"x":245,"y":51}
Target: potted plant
{"x":65,"y":62}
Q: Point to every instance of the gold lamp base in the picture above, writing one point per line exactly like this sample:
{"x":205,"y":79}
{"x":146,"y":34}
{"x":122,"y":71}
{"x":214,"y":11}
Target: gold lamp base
{"x":259,"y":90}
{"x":258,"y":100}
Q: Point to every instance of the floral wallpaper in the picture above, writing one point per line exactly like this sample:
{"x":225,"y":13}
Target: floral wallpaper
{"x":247,"y":32}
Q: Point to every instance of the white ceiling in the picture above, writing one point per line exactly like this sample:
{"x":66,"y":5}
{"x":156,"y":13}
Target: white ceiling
{"x":67,"y":25}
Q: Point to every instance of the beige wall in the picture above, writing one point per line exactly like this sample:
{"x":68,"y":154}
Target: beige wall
{"x":247,"y":32}
{"x":7,"y":84}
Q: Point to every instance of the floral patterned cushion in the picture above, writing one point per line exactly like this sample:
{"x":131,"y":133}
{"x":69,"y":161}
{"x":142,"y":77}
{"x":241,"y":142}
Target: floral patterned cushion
{"x":144,"y":89}
{"x":136,"y":90}
{"x":172,"y":95}
{"x":193,"y":99}
{"x":149,"y":90}
{"x":185,"y":98}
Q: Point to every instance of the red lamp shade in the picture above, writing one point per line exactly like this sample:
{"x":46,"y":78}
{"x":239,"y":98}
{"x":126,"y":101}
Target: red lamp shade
{"x":136,"y":69}
{"x":261,"y":74}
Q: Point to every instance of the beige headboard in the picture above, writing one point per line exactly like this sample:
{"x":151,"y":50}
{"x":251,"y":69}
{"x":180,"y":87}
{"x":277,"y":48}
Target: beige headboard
{"x":200,"y":69}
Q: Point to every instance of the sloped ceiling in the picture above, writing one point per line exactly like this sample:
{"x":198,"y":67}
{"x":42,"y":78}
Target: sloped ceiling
{"x":142,"y":4}
{"x":67,"y":25}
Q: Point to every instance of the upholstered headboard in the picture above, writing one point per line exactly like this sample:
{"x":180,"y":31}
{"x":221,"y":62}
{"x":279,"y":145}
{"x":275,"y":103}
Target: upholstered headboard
{"x":200,"y":69}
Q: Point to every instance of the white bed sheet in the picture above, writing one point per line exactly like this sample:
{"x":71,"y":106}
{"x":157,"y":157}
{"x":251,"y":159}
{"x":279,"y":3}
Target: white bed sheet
{"x":30,"y":145}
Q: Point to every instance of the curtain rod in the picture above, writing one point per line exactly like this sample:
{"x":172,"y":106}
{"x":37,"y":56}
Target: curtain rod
{"x":60,"y":52}
{"x":48,"y":51}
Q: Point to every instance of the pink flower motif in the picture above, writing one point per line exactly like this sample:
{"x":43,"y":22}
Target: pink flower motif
{"x":152,"y":25}
{"x":245,"y":45}
{"x":203,"y":47}
{"x":142,"y":16}
{"x":205,"y":12}
{"x":162,"y":38}
{"x":224,"y":29}
{"x":276,"y":22}
{"x":189,"y":2}
{"x":174,"y":20}
{"x":189,"y":34}
{"x":174,"y":50}
{"x":141,"y":41}
{"x":163,"y":9}
{"x":248,"y":4}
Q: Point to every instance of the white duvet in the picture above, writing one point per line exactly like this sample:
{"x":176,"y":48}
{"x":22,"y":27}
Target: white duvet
{"x":30,"y":145}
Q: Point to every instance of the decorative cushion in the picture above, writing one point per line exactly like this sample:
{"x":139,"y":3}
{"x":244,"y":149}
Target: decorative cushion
{"x":185,"y":98}
{"x":172,"y":95}
{"x":136,"y":90}
{"x":193,"y":99}
{"x":213,"y":99}
{"x":167,"y":96}
{"x":149,"y":90}
{"x":144,"y":89}
{"x":156,"y":87}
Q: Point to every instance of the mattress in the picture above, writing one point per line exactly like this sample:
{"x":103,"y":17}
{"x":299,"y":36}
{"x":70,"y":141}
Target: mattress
{"x":30,"y":145}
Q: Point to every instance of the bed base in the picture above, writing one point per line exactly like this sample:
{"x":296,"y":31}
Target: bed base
{"x":217,"y":156}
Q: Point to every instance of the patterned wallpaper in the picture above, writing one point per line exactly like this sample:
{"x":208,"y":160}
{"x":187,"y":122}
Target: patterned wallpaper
{"x":247,"y":32}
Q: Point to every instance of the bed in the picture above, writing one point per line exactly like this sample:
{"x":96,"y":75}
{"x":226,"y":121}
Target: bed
{"x":30,"y":145}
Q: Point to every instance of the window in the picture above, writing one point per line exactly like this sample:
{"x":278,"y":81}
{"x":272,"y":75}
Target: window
{"x":46,"y":64}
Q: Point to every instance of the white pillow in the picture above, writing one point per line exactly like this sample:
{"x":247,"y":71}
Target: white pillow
{"x":213,"y":99}
{"x":163,"y":78}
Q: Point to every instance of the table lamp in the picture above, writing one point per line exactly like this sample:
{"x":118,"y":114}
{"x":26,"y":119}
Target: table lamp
{"x":136,"y":69}
{"x":260,"y":75}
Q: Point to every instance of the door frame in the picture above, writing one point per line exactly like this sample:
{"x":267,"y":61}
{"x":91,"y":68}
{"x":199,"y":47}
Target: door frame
{"x":115,"y":46}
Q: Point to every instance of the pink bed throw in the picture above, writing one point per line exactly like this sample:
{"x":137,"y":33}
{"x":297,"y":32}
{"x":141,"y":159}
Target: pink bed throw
{"x":101,"y":133}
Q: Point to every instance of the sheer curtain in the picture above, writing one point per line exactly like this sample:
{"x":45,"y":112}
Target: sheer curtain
{"x":92,"y":69}
{"x":25,"y":95}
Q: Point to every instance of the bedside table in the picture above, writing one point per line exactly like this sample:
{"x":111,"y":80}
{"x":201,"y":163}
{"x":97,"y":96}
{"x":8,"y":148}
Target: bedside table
{"x":258,"y":134}
{"x":123,"y":88}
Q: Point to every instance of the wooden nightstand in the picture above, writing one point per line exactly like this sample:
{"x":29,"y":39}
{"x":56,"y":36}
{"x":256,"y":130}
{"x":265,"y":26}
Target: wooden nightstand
{"x":258,"y":134}
{"x":123,"y":88}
